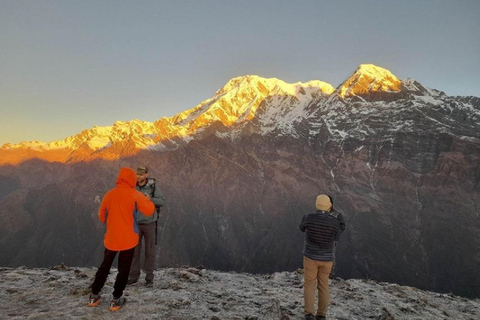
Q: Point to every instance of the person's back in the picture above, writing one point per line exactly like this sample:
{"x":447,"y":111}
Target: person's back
{"x":119,"y":210}
{"x":322,"y":230}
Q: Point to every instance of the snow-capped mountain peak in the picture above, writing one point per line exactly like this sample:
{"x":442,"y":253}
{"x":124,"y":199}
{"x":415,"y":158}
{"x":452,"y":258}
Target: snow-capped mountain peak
{"x":236,"y":103}
{"x":99,"y":137}
{"x":249,"y":104}
{"x":369,"y":78}
{"x":239,"y":101}
{"x":271,"y":85}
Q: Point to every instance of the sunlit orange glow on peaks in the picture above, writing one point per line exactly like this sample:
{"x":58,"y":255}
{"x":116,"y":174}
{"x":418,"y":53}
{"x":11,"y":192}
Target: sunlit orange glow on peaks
{"x":237,"y":102}
{"x":369,"y":78}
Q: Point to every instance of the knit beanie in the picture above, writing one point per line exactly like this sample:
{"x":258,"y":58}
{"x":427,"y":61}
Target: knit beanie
{"x":323,"y":202}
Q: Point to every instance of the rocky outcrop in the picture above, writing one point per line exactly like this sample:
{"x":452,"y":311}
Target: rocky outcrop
{"x":198,"y":293}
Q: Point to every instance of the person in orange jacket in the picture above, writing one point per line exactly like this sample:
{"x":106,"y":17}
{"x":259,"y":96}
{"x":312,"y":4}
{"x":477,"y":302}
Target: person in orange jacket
{"x":118,"y":212}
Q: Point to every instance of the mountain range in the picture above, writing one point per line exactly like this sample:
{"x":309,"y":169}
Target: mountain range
{"x":401,"y":161}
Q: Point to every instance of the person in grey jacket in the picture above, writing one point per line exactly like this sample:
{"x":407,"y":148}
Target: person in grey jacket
{"x":147,"y":228}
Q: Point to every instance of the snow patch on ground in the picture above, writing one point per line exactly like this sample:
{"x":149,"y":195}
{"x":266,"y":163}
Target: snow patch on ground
{"x":197,"y":293}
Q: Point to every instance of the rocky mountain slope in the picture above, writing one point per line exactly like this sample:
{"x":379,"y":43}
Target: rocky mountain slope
{"x":197,"y":293}
{"x":401,"y":161}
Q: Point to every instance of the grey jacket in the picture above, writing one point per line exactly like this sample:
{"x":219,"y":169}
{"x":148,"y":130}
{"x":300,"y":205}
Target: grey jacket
{"x":151,"y":189}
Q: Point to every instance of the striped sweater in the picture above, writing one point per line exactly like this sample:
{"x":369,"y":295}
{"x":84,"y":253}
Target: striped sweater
{"x":321,"y":229}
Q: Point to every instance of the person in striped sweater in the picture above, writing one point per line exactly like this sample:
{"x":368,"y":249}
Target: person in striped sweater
{"x":322,"y":232}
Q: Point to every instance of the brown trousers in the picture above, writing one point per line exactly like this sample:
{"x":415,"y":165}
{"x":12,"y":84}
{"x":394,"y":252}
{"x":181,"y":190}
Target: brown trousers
{"x":147,"y":232}
{"x":316,"y":275}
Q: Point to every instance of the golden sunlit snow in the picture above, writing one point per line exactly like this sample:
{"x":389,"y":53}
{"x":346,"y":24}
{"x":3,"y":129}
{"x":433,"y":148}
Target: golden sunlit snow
{"x":370,"y":78}
{"x":238,"y":101}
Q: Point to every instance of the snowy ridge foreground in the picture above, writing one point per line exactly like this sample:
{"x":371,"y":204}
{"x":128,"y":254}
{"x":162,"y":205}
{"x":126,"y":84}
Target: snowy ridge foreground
{"x":195,"y":293}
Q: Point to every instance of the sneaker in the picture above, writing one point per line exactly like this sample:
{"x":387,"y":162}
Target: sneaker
{"x":131,"y":282}
{"x":149,"y":283}
{"x":117,"y":304}
{"x":309,"y":317}
{"x":94,"y":300}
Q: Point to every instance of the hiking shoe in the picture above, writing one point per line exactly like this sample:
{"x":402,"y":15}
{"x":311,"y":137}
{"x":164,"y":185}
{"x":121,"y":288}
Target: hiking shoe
{"x":320,"y":318}
{"x":117,"y":304}
{"x":149,"y":283}
{"x":309,"y":317}
{"x":94,"y":300}
{"x":131,"y":282}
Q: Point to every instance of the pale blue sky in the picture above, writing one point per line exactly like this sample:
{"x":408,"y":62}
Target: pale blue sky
{"x":66,"y":65}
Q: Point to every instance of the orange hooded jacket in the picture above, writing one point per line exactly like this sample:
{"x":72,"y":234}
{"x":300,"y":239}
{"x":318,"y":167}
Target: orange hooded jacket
{"x":119,"y":211}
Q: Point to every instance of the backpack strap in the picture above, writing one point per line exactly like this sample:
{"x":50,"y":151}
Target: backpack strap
{"x":151,"y":183}
{"x":153,"y":186}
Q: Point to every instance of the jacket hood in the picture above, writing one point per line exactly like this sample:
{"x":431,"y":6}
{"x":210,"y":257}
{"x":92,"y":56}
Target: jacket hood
{"x":127,"y":176}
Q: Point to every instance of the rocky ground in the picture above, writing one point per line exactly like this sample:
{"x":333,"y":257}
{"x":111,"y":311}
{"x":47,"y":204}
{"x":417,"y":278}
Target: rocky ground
{"x":196,"y":293}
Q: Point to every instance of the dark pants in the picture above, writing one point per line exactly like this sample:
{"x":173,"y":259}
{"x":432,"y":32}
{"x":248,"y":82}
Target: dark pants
{"x":124,"y":262}
{"x":147,"y":232}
